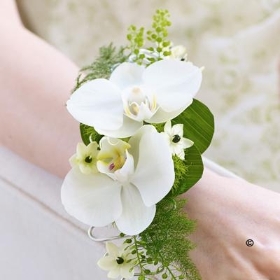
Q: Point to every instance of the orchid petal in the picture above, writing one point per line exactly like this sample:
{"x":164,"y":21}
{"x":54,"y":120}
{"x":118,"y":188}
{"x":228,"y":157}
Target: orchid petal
{"x":135,"y":216}
{"x":154,"y":172}
{"x":175,"y":82}
{"x":172,"y":98}
{"x":86,"y":198}
{"x":128,"y":128}
{"x":163,"y":116}
{"x":123,"y":174}
{"x":127,"y":74}
{"x":165,"y":73}
{"x":97,"y":103}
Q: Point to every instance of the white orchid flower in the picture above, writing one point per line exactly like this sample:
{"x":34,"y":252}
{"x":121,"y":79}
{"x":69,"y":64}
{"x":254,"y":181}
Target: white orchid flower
{"x":118,"y":107}
{"x":85,"y":157}
{"x":118,"y":261}
{"x":174,"y":136}
{"x":112,"y":156}
{"x":129,"y":194}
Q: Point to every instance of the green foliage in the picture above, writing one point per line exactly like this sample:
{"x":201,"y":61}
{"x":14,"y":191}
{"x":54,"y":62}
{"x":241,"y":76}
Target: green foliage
{"x":88,"y":134}
{"x":157,"y":36}
{"x":102,"y":67}
{"x":159,"y":126}
{"x":165,"y":252}
{"x":159,"y":33}
{"x":187,"y":171}
{"x":136,"y":38}
{"x":198,"y":124}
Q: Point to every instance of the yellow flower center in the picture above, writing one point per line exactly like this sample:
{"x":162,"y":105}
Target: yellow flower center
{"x":138,"y":105}
{"x":117,"y":162}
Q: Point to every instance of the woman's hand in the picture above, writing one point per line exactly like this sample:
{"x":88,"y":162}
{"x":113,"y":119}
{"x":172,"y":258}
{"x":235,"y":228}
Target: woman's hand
{"x":229,"y":212}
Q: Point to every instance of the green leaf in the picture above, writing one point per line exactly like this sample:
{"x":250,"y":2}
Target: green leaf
{"x":188,"y":171}
{"x":194,"y":163}
{"x":198,"y":124}
{"x":88,"y":134}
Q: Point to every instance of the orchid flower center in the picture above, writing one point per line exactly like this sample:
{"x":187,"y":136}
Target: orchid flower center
{"x":112,"y":155}
{"x":139,"y":103}
{"x":117,"y":161}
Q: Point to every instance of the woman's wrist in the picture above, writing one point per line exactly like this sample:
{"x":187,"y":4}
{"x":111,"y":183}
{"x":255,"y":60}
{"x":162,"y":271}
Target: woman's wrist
{"x":229,"y":212}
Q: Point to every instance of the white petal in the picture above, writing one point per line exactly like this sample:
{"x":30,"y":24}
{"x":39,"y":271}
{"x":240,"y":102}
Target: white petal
{"x":125,"y":271}
{"x":175,"y":83}
{"x":112,"y":249}
{"x":167,"y":127}
{"x":128,"y":128}
{"x":186,"y":143}
{"x":163,"y":116}
{"x":178,"y":150}
{"x":178,"y":129}
{"x":136,"y":217}
{"x":166,"y":73}
{"x":93,"y":199}
{"x":135,"y":140}
{"x":81,"y":149}
{"x":114,"y":273}
{"x":123,"y":174}
{"x":127,"y":74}
{"x":107,"y":263}
{"x":97,"y":103}
{"x":181,"y":154}
{"x":154,"y":170}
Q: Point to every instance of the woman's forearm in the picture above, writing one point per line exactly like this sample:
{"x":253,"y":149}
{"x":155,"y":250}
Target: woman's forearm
{"x":36,"y":81}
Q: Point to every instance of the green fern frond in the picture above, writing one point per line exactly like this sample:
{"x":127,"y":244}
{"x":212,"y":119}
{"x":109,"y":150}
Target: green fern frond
{"x":170,"y":248}
{"x":109,"y":58}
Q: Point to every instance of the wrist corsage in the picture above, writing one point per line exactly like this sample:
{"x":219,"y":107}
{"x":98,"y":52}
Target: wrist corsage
{"x":143,"y":134}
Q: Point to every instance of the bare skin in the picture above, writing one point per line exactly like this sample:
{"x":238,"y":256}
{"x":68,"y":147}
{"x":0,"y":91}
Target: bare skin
{"x":228,"y":213}
{"x":35,"y":83}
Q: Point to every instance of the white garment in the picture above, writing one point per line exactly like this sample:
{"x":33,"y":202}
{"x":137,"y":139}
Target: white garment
{"x":38,"y":240}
